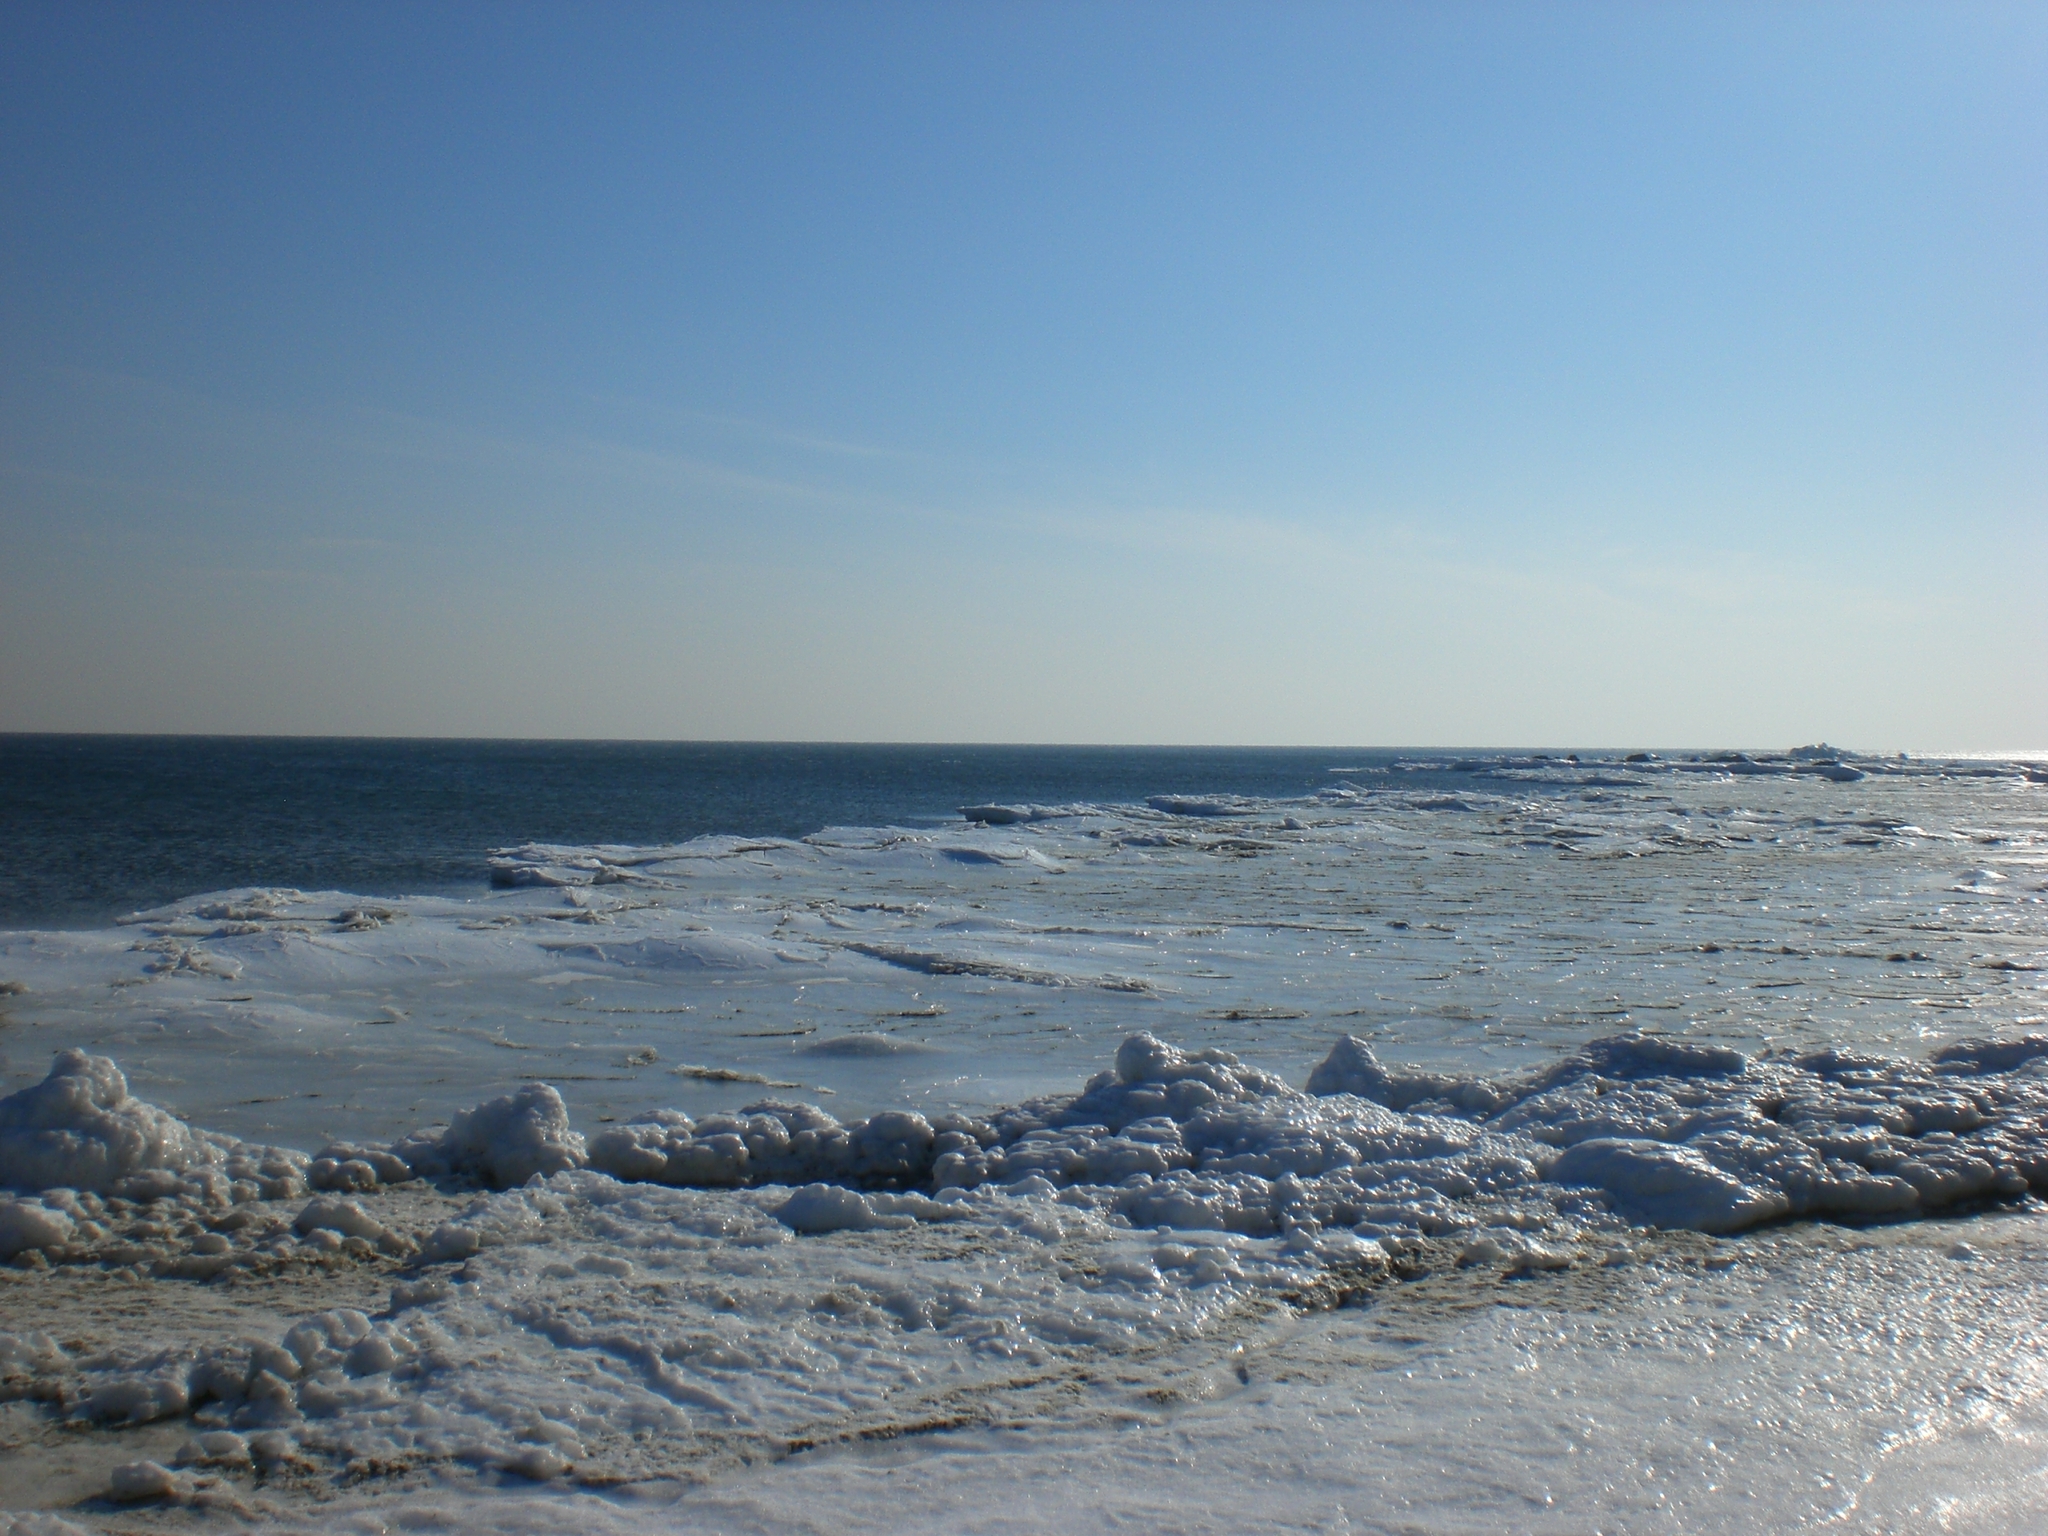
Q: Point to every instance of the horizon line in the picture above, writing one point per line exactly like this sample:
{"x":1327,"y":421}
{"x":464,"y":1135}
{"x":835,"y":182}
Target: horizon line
{"x":2026,"y":754}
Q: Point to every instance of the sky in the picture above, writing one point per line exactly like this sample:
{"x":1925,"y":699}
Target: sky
{"x":1377,"y":374}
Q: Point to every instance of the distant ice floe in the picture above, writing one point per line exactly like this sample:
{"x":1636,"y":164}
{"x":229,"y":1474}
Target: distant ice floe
{"x":1203,"y":805}
{"x":1013,"y":815}
{"x":1511,"y":896}
{"x":1635,"y":769}
{"x":684,"y":952}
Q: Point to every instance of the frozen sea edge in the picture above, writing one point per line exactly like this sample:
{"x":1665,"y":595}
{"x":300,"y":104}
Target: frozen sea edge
{"x":387,"y":1351}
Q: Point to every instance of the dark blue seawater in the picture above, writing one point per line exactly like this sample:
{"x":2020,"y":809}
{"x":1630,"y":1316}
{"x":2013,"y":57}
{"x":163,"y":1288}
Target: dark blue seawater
{"x":92,"y":827}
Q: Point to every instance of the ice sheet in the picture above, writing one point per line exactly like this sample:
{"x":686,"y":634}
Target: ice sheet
{"x":1080,"y":1118}
{"x":1666,"y":1395}
{"x":1551,"y":903}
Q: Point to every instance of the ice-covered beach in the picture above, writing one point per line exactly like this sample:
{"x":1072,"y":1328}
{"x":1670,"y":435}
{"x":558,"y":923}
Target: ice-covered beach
{"x":1507,"y":1143}
{"x":808,"y":768}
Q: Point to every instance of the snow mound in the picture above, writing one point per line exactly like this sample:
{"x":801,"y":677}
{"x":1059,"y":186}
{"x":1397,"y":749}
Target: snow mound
{"x":80,"y":1129}
{"x":767,"y":1143}
{"x":1683,"y":1135}
{"x":1628,"y":1129}
{"x":1352,"y":1068}
{"x":1668,"y":1186}
{"x":502,"y":1142}
{"x":833,"y":1208}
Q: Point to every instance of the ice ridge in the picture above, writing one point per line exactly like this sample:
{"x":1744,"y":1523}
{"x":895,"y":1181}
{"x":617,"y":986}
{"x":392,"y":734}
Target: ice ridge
{"x":1629,"y":1129}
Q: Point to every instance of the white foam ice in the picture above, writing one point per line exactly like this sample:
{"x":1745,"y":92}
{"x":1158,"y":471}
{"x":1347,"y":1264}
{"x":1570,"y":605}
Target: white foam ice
{"x":582,"y":1321}
{"x":597,"y":1331}
{"x":1662,"y":1395}
{"x":1645,"y":1128}
{"x":809,"y":1281}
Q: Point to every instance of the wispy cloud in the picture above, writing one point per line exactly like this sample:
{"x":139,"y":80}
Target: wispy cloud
{"x":774,"y":432}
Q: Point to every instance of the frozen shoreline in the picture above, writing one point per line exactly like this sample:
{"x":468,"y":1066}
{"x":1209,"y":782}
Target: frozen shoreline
{"x":633,"y":1335}
{"x":1801,"y":1377}
{"x":834,"y":1162}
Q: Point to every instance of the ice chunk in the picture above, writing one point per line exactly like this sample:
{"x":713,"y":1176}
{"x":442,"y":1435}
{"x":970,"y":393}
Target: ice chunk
{"x":1668,"y":1186}
{"x":1985,"y":1056}
{"x":29,"y":1224}
{"x":1153,"y":1077}
{"x":215,"y":1448}
{"x":1352,"y":1068}
{"x":80,"y":1129}
{"x":14,"y":1523}
{"x":350,"y":1220}
{"x":1011,"y":815}
{"x":133,"y":1480}
{"x":343,"y":1216}
{"x":1201,"y":805}
{"x":137,"y":1397}
{"x":449,"y":1241}
{"x":1514,"y":1251}
{"x":537,"y":1462}
{"x":343,"y":1166}
{"x":767,"y":1142}
{"x":864,"y":1045}
{"x":685,"y":952}
{"x":502,"y":1142}
{"x":832,"y":1208}
{"x":29,"y":1358}
{"x":326,"y":1340}
{"x":1631,"y":1056}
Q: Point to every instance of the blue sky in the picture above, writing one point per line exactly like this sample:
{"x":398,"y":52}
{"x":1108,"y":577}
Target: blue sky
{"x":1448,"y":374}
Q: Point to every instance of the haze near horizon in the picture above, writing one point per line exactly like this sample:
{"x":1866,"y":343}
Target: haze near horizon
{"x":1465,"y":375}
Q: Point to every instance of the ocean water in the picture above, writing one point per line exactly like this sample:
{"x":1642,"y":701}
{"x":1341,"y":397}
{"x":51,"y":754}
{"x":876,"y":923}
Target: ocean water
{"x":96,"y":826}
{"x":649,"y":1137}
